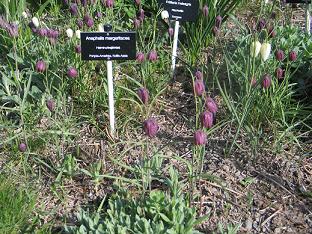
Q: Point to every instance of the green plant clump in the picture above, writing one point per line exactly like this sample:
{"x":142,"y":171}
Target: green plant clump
{"x":157,"y":213}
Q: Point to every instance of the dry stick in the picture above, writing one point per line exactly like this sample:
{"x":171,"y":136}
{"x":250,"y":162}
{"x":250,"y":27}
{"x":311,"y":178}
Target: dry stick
{"x":227,"y":189}
{"x":271,"y":216}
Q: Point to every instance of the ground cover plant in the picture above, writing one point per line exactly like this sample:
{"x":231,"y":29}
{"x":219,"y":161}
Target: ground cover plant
{"x":222,"y":145}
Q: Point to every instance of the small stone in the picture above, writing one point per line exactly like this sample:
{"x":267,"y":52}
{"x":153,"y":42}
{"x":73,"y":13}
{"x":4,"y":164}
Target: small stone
{"x":249,"y":224}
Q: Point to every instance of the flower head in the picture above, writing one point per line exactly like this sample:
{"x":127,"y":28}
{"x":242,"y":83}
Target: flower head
{"x":218,"y":21}
{"x":170,"y":32}
{"x":199,"y":75}
{"x":78,"y":49}
{"x":73,"y":9}
{"x":78,"y":32}
{"x":50,"y":104}
{"x":199,"y":87}
{"x":69,"y":33}
{"x":207,"y":119}
{"x":211,"y":105}
{"x":279,"y":55}
{"x":200,"y":137}
{"x":72,"y":72}
{"x":164,"y":15}
{"x":255,"y":48}
{"x":140,"y":57}
{"x":136,"y":23}
{"x":109,"y":3}
{"x":266,"y":81}
{"x":150,"y":127}
{"x":261,"y":24}
{"x":137,"y":2}
{"x":35,"y":22}
{"x":280,"y":73}
{"x":292,"y":55}
{"x":141,"y":14}
{"x":265,"y":51}
{"x":143,"y":95}
{"x":40,"y":66}
{"x":22,"y":147}
{"x":205,"y":10}
{"x":152,"y":56}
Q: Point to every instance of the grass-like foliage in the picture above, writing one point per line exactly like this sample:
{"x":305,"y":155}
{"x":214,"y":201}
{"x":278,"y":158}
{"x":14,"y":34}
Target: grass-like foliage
{"x":16,"y":205}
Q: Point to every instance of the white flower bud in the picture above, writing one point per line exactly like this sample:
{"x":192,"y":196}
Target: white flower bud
{"x":35,"y":21}
{"x":265,"y":51}
{"x":78,"y":33}
{"x":101,"y":28}
{"x":164,"y":15}
{"x":255,"y":48}
{"x":24,"y":14}
{"x":69,"y":33}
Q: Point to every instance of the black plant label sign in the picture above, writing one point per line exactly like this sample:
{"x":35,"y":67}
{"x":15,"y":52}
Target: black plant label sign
{"x":180,"y":10}
{"x":108,"y":45}
{"x":298,"y":1}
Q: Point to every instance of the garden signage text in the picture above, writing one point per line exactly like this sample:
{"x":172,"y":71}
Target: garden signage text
{"x":108,"y":46}
{"x":181,"y":10}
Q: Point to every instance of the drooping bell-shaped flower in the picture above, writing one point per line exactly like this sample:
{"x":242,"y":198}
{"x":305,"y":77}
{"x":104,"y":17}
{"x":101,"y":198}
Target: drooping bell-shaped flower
{"x":109,"y":3}
{"x":199,"y":75}
{"x":265,"y":51}
{"x":271,"y":32}
{"x":164,"y":15}
{"x":101,"y":28}
{"x":40,"y":66}
{"x":255,"y":48}
{"x":199,"y":87}
{"x":140,"y":57}
{"x":136,"y":23}
{"x":211,"y":105}
{"x":200,"y":137}
{"x":218,"y":21}
{"x":292,"y":55}
{"x":266,"y":81}
{"x":73,"y":9}
{"x":72,"y":72}
{"x":143,"y":95}
{"x":253,"y":81}
{"x":141,"y":14}
{"x":170,"y":32}
{"x":279,"y":55}
{"x":69,"y":33}
{"x":22,"y":147}
{"x":152,"y":56}
{"x":50,"y":105}
{"x":280,"y":73}
{"x":35,"y":22}
{"x":150,"y":127}
{"x":42,"y":32}
{"x":77,"y":33}
{"x":79,"y":23}
{"x":261,"y":24}
{"x":78,"y":49}
{"x":137,"y":2}
{"x":207,"y":119}
{"x":215,"y":31}
{"x":205,"y":10}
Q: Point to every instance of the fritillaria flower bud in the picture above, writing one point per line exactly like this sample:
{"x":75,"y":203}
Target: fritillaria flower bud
{"x":42,"y":32}
{"x":152,"y":56}
{"x":141,"y":14}
{"x":211,"y":105}
{"x":207,"y":119}
{"x":88,"y":21}
{"x":143,"y":95}
{"x":280,"y":73}
{"x":109,"y":3}
{"x":253,"y":81}
{"x":150,"y":127}
{"x":84,"y":3}
{"x":140,"y":57}
{"x":199,"y":75}
{"x":50,"y":105}
{"x":78,"y":33}
{"x":69,"y":33}
{"x":261,"y":24}
{"x":22,"y":147}
{"x":13,"y":30}
{"x":265,"y":51}
{"x":279,"y":55}
{"x":164,"y":15}
{"x":215,"y":31}
{"x":218,"y":21}
{"x":136,"y":23}
{"x":73,"y":9}
{"x":205,"y":10}
{"x":35,"y":22}
{"x":271,"y":32}
{"x":292,"y":55}
{"x":40,"y":66}
{"x":101,"y":28}
{"x":170,"y":31}
{"x":199,"y":87}
{"x":266,"y":82}
{"x":200,"y":137}
{"x":137,"y":2}
{"x":98,"y":15}
{"x":79,"y":23}
{"x":72,"y":72}
{"x":24,"y":14}
{"x":78,"y":49}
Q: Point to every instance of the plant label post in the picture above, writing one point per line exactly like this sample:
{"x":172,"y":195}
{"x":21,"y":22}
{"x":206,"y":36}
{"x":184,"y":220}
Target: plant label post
{"x":307,"y":13}
{"x":179,"y":11}
{"x":108,"y":46}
